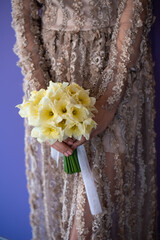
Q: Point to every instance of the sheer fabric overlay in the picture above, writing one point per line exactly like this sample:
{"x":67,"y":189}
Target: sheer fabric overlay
{"x":103,"y":47}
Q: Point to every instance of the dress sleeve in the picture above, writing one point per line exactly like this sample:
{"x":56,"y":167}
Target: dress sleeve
{"x":132,"y":18}
{"x":26,"y":22}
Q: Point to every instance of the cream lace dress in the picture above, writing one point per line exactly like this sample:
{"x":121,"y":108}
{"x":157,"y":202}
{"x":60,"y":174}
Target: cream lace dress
{"x":103,"y":46}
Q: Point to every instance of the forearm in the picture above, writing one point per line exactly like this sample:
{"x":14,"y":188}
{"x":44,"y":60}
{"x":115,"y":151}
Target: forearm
{"x":124,"y":53}
{"x":29,"y":47}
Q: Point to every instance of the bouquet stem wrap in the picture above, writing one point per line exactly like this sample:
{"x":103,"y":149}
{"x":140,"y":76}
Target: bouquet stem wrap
{"x":92,"y":195}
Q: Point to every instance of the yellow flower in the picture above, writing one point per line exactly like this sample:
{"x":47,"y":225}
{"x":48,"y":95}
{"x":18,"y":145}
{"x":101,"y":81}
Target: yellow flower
{"x":56,"y":96}
{"x":93,"y":101}
{"x":36,"y":133}
{"x":24,"y":109}
{"x":83,"y":98}
{"x":27,"y":109}
{"x":33,"y":115}
{"x":73,"y":88}
{"x":32,"y":106}
{"x":47,"y":113}
{"x":61,"y":107}
{"x":56,"y":91}
{"x":47,"y":133}
{"x":62,"y":124}
{"x":77,"y":112}
{"x":54,"y":86}
{"x":88,"y":125}
{"x":74,"y":129}
{"x":36,"y":96}
{"x":51,"y":133}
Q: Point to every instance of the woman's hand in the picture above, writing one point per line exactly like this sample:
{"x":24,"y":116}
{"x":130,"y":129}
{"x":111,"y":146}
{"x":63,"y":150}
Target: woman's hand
{"x":102,"y":118}
{"x":64,"y":147}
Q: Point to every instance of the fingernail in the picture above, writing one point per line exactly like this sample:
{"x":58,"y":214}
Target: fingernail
{"x":70,"y":142}
{"x":66,"y":154}
{"x":69,"y":152}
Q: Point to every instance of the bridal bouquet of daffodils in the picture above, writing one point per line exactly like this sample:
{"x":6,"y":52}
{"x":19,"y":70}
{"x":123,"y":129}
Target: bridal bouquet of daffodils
{"x":60,"y":112}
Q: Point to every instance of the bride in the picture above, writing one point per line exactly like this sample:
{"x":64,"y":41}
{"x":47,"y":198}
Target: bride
{"x":103,"y":46}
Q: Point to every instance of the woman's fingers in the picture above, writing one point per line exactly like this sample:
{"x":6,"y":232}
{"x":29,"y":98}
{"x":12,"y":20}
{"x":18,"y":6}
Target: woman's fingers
{"x":66,"y":147}
{"x":78,"y":143}
{"x":69,"y":141}
{"x":63,"y":148}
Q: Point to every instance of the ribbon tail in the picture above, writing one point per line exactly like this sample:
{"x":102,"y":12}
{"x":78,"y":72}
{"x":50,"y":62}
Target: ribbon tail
{"x":92,"y":195}
{"x":55,"y":155}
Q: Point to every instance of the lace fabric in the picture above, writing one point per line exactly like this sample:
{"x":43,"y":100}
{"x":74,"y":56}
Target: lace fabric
{"x":103,"y":46}
{"x":29,"y":47}
{"x":78,"y":14}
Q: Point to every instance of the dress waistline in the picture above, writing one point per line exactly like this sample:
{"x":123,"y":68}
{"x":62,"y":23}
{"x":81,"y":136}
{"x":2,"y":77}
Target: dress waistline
{"x":67,"y":29}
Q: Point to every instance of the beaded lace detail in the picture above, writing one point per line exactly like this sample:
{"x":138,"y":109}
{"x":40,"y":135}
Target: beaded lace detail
{"x":103,"y":46}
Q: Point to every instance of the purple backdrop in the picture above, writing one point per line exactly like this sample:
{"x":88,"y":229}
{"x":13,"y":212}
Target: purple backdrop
{"x":14,"y":207}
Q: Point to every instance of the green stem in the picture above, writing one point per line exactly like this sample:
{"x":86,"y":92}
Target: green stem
{"x":71,"y":163}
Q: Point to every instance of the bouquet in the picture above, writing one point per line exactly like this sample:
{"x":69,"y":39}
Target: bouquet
{"x":63,"y":110}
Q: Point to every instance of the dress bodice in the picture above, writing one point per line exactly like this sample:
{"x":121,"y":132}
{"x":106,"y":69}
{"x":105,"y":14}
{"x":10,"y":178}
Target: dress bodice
{"x":75,"y":15}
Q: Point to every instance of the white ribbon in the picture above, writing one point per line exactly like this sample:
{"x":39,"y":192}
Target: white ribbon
{"x":87,"y":176}
{"x":55,"y":155}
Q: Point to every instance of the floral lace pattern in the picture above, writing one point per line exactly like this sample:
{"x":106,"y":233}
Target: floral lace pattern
{"x":122,"y":158}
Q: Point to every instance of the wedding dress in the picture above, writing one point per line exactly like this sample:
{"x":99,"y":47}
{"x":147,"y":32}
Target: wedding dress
{"x":103,"y":46}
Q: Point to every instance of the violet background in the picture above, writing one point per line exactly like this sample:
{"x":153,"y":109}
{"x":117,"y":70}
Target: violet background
{"x":14,"y":206}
